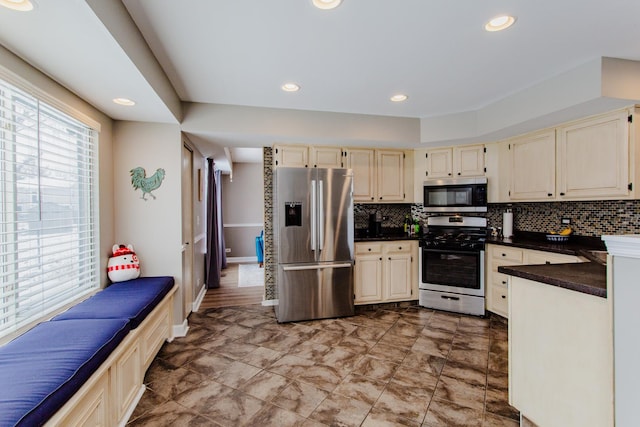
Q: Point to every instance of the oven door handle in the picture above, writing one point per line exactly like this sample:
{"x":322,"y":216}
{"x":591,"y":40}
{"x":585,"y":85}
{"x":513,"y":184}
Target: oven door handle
{"x":453,"y":251}
{"x":450,"y":298}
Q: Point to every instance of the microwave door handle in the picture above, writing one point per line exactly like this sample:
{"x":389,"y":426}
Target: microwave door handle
{"x":320,"y":215}
{"x":313,"y":215}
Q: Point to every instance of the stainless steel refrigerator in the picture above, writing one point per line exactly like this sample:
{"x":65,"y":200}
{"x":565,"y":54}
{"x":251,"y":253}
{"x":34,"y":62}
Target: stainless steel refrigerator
{"x":313,"y":235}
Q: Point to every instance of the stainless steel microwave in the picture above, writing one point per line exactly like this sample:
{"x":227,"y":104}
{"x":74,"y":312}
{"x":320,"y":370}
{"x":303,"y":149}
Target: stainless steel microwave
{"x":455,"y":195}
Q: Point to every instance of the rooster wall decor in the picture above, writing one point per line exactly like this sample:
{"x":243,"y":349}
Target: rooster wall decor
{"x":140,"y":181}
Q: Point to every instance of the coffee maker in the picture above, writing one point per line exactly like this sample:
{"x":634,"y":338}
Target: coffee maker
{"x":375,"y":224}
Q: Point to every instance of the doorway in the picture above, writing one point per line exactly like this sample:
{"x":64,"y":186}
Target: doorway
{"x":187,"y":229}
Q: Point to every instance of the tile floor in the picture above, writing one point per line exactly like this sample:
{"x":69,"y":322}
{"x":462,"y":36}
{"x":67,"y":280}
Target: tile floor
{"x":405,"y":366}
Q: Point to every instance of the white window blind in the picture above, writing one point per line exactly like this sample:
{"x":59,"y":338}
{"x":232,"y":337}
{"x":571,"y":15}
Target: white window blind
{"x":48,"y":230}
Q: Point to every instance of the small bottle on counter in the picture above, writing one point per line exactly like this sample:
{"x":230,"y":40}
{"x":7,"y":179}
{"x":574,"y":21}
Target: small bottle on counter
{"x":406,"y":224}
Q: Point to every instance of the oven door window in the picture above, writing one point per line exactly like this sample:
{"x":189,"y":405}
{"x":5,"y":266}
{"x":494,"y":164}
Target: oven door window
{"x":451,"y":268}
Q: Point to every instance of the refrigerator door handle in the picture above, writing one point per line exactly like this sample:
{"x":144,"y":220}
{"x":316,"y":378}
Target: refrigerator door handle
{"x":314,"y":219}
{"x":316,"y":266}
{"x":321,"y":215}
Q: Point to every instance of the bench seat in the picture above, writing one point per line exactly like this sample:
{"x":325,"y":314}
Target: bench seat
{"x":132,"y":300}
{"x":44,"y":367}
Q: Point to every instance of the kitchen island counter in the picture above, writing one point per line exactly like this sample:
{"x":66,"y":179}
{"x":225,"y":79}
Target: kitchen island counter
{"x":587,"y":277}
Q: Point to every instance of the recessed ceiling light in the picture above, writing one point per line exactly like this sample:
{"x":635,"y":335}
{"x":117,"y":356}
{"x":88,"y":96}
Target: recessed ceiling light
{"x":19,"y":5}
{"x":399,"y":97}
{"x":499,"y":23}
{"x":290,"y":87}
{"x":326,"y":4}
{"x":124,"y":101}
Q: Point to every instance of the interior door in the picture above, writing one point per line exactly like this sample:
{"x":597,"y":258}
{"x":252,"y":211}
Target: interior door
{"x":187,"y":230}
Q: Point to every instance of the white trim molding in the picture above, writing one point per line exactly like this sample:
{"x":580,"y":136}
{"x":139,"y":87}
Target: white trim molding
{"x":180,"y":331}
{"x":240,"y":259}
{"x":626,"y":245}
{"x":196,"y":304}
{"x":248,"y":224}
{"x":268,"y":302}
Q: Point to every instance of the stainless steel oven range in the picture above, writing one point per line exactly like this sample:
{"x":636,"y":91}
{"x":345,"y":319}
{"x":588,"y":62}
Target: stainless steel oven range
{"x":452,"y":264}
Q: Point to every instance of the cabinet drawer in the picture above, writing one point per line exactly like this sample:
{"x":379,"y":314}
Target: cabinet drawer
{"x":397,"y":248}
{"x":499,"y":279}
{"x":500,"y":299}
{"x":368,"y":248}
{"x":509,"y":254}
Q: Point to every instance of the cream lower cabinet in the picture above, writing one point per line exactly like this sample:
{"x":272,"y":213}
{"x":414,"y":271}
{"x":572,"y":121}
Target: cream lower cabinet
{"x":386,"y":271}
{"x":560,"y":355}
{"x":497,"y":284}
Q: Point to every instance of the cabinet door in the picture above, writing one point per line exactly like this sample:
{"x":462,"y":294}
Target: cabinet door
{"x":368,"y":278}
{"x":593,"y":158}
{"x":295,"y":156}
{"x":362,"y":163}
{"x":468,"y":160}
{"x":398,"y":276}
{"x":325,"y":157}
{"x":439,"y":163}
{"x":390,"y":174}
{"x":533,"y":167}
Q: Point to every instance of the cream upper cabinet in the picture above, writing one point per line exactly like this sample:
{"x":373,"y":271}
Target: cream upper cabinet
{"x":593,"y":158}
{"x":533,"y":166}
{"x":362,"y":161}
{"x":325,"y":157}
{"x":438,"y":163}
{"x":390,"y":176}
{"x":378,"y":175}
{"x":295,"y":156}
{"x":302,"y":156}
{"x":468,"y":160}
{"x":453,"y":162}
{"x":498,"y":172}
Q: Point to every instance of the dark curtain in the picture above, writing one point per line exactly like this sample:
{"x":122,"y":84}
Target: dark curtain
{"x":216,"y":259}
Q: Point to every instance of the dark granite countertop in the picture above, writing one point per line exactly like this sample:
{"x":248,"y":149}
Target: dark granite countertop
{"x":587,"y":277}
{"x":538,"y":241}
{"x":362,"y":235}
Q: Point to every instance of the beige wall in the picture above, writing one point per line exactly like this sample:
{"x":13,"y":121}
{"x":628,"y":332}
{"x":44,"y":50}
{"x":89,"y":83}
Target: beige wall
{"x":153,"y":226}
{"x":22,"y":74}
{"x":242,"y":205}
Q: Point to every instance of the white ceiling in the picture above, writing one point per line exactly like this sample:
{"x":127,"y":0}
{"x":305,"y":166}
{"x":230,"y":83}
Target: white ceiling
{"x":347,"y":60}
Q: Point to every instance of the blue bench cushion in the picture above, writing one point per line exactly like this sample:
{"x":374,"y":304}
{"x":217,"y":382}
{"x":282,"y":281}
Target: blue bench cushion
{"x":133,"y":300}
{"x":43,"y":368}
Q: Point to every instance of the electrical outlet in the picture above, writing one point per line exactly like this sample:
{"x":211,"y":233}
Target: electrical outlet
{"x":227,"y":250}
{"x":565,"y":221}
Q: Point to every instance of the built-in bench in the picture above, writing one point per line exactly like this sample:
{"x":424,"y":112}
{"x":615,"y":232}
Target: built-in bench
{"x":86,"y":366}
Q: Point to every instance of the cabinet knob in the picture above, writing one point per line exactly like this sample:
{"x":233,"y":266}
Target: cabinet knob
{"x":562,"y":194}
{"x":369,"y":249}
{"x":389,"y":258}
{"x":504,"y":254}
{"x":549,"y":194}
{"x":380,"y":258}
{"x":449,"y":174}
{"x":504,"y":296}
{"x":459,"y":173}
{"x":504,"y":282}
{"x":380,"y":198}
{"x":372,"y":198}
{"x":399,"y":248}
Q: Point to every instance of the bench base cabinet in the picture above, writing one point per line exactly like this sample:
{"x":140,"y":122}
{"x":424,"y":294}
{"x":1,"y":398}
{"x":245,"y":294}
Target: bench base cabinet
{"x":386,"y":271}
{"x":560,"y":355}
{"x":110,"y":395}
{"x":497,"y":290}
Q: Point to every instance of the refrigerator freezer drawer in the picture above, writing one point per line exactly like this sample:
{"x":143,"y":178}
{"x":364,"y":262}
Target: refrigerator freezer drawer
{"x":314,"y":291}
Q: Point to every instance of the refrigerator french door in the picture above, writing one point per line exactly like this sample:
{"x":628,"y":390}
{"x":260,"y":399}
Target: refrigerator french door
{"x":313,"y":236}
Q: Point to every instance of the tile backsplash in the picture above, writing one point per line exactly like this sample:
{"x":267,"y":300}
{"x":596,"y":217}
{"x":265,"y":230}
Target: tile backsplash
{"x":591,"y":218}
{"x":394,"y":214}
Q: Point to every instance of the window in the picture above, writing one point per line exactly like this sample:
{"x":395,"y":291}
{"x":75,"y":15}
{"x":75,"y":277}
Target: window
{"x":48,"y":227}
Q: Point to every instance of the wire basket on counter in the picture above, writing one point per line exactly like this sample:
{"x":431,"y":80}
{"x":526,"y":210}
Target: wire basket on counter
{"x":557,"y":238}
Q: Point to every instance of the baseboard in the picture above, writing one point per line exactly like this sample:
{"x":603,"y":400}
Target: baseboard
{"x":268,"y":302}
{"x":239,"y":259}
{"x":196,"y":304}
{"x":132,"y":406}
{"x":181,"y":330}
